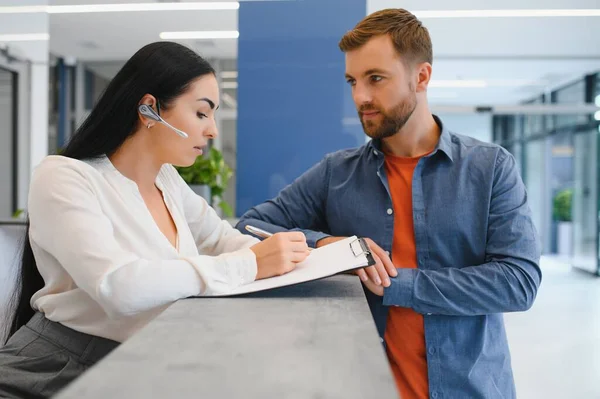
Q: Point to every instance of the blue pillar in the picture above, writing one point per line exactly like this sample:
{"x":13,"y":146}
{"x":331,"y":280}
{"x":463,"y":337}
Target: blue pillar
{"x":294,"y":105}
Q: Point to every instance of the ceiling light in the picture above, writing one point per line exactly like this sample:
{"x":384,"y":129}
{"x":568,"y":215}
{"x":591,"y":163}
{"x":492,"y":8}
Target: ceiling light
{"x":506,"y":13}
{"x":597,"y":115}
{"x":597,"y":100}
{"x":229,"y":85}
{"x":25,"y":37}
{"x":215,"y":34}
{"x":22,"y":9}
{"x":229,"y":75}
{"x":127,"y":7}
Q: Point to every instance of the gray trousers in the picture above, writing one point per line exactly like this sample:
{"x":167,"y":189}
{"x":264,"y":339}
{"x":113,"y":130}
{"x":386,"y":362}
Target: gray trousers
{"x":43,"y":357}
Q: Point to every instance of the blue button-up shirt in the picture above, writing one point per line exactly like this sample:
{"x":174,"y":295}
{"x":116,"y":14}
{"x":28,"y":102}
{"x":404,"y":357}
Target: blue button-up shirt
{"x":477,"y":249}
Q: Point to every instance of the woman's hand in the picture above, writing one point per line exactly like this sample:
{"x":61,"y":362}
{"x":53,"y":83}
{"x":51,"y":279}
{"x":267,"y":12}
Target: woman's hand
{"x":279,"y":254}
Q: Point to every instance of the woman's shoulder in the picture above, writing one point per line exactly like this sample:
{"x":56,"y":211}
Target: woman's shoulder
{"x":56,"y":162}
{"x":58,"y":169}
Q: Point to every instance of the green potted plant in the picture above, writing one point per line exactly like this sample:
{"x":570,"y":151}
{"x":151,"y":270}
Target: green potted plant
{"x":561,"y":212}
{"x":208,"y":177}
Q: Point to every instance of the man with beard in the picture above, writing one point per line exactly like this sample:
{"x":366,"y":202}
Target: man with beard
{"x":451,"y":210}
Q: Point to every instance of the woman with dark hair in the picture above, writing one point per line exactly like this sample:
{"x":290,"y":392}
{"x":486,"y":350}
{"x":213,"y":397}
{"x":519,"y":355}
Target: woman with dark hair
{"x":115,"y":235}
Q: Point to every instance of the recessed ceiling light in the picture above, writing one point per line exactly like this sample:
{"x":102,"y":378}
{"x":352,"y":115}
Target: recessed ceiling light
{"x":22,"y":9}
{"x":232,"y":75}
{"x":24,"y":37}
{"x":123,"y":7}
{"x":229,"y":85}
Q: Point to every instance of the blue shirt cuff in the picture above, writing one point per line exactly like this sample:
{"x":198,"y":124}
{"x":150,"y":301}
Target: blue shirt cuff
{"x":312,"y":236}
{"x":400,"y":291}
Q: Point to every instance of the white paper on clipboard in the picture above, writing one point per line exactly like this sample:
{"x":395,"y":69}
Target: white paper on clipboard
{"x":344,"y":255}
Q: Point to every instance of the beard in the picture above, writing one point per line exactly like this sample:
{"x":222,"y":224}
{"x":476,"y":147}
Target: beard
{"x":388,"y":123}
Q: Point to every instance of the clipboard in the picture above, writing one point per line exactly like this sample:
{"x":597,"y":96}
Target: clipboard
{"x":349,"y":254}
{"x":363,"y":249}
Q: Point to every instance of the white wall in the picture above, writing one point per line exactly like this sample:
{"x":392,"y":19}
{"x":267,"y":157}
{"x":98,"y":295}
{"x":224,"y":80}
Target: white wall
{"x":32,"y":66}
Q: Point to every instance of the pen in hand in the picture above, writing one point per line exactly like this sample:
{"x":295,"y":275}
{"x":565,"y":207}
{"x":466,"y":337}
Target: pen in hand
{"x":261,"y":233}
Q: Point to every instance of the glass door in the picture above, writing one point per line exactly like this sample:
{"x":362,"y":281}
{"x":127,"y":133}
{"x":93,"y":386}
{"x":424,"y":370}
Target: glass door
{"x":585,"y":200}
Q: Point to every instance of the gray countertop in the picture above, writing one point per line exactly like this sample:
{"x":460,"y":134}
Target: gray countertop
{"x":313,"y":340}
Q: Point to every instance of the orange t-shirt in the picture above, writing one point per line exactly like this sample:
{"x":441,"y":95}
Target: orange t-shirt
{"x":405,"y":332}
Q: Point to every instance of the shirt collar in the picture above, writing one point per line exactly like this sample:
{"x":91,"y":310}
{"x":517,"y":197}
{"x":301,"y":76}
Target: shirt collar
{"x":444,"y":143}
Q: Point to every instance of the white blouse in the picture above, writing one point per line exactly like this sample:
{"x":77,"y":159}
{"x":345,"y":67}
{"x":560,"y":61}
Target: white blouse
{"x":107,"y":267}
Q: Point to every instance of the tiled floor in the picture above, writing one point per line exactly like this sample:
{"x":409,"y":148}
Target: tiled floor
{"x":555,"y":346}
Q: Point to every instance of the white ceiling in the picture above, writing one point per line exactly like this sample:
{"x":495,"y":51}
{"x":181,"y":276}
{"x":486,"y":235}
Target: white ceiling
{"x":554,"y":50}
{"x":498,"y":50}
{"x":116,"y":36}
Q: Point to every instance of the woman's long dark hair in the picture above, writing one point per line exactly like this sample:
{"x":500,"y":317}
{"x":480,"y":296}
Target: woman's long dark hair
{"x":162,"y":69}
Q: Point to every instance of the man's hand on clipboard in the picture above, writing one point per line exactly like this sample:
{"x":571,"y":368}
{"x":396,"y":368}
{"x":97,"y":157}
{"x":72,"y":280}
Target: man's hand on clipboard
{"x":375,"y":277}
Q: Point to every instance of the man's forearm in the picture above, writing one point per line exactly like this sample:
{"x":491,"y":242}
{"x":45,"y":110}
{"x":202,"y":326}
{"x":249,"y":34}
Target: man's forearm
{"x":494,"y":287}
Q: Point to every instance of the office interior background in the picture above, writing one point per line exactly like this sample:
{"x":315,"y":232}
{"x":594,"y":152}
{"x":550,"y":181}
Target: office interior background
{"x":522,"y":74}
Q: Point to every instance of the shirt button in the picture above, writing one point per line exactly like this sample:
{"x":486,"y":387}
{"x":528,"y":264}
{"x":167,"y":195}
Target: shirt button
{"x":381,"y":340}
{"x":389,"y":211}
{"x":429,"y":314}
{"x":432,"y":351}
{"x":434,"y":395}
{"x":387,"y":253}
{"x":375,"y":152}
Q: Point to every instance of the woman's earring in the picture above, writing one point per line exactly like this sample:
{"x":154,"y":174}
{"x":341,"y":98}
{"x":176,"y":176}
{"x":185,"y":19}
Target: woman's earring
{"x":148,"y":126}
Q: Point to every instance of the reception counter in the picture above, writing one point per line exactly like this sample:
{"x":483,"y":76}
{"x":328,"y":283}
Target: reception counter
{"x":313,"y":340}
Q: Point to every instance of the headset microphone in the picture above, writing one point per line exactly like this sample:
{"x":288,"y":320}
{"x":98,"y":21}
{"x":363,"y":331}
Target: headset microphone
{"x":147,"y":111}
